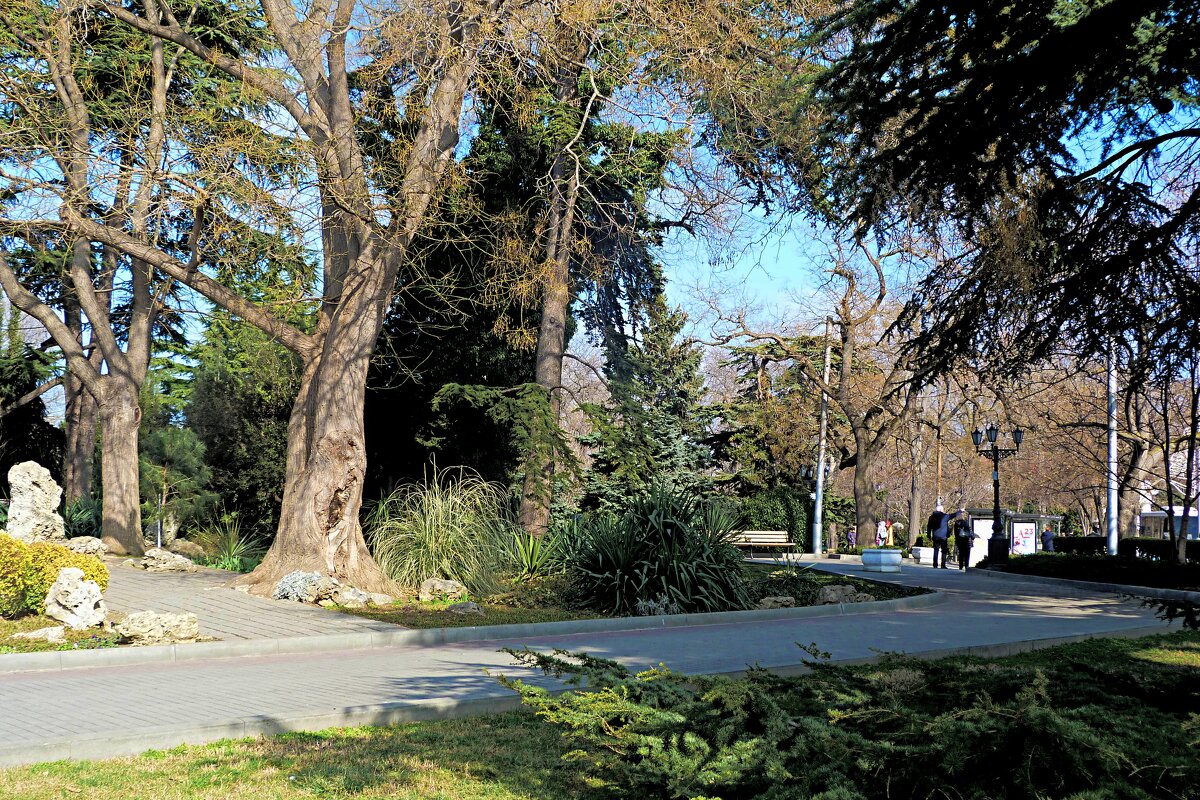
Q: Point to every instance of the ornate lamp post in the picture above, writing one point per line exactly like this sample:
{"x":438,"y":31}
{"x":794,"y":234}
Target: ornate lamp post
{"x":998,"y":547}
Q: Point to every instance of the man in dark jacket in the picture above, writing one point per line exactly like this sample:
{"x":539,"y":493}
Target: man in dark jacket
{"x":938,"y":528}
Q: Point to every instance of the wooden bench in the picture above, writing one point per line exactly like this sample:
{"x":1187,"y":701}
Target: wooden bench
{"x":763,"y":539}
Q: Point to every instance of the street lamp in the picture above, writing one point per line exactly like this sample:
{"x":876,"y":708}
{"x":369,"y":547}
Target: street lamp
{"x":808,"y":474}
{"x":998,"y":543}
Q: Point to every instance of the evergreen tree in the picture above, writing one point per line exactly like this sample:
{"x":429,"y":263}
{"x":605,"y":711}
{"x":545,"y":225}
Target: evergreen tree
{"x":25,"y":434}
{"x":653,"y":429}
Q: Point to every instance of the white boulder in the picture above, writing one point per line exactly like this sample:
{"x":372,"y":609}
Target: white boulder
{"x":88,"y":545}
{"x":439,"y":589}
{"x":841,"y":593}
{"x":33,"y":510}
{"x":306,"y":587}
{"x":74,"y":601}
{"x":465,"y":608}
{"x":149,"y":627}
{"x":158,"y":559}
{"x":55,"y":634}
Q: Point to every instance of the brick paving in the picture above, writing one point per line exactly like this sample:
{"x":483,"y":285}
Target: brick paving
{"x":224,"y":613}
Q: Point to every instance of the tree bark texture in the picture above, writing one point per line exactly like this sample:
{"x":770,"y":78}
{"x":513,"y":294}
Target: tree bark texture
{"x":79,"y":423}
{"x":120,"y":416}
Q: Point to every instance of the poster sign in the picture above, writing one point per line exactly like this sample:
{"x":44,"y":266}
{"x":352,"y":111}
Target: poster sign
{"x":1024,"y":538}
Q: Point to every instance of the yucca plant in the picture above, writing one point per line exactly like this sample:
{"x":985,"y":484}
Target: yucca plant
{"x":535,"y":556}
{"x":455,"y":526}
{"x":669,"y":549}
{"x":227,"y":547}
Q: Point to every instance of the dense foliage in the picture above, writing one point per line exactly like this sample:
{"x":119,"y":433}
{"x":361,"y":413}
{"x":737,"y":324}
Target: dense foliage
{"x":1080,"y":724}
{"x":1057,"y":136}
{"x":669,"y":552}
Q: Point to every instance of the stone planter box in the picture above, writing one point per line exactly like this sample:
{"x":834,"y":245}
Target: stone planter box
{"x":923,"y":555}
{"x":885,"y":560}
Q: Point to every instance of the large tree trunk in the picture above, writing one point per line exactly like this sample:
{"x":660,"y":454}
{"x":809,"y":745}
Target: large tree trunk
{"x":79,"y":422}
{"x":866,"y":504}
{"x":319,"y":528}
{"x":120,"y":416}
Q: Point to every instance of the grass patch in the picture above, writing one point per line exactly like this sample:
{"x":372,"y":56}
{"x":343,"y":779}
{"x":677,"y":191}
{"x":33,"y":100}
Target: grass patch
{"x":1139,"y":689}
{"x":91,"y":639}
{"x":504,"y":757}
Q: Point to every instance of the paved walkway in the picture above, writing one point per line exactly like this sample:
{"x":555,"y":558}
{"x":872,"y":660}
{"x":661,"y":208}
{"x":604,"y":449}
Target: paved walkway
{"x":224,"y":613}
{"x":107,"y":711}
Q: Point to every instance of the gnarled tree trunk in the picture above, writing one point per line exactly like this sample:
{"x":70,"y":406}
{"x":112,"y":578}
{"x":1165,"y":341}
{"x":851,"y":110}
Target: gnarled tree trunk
{"x":120,"y":416}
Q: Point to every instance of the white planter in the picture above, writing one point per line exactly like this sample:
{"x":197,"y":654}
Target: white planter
{"x":923,"y":555}
{"x":881,"y":560}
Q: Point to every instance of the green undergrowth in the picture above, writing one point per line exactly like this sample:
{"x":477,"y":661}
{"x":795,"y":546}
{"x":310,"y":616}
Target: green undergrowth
{"x":1107,"y":569}
{"x":1097,"y":720}
{"x":804,"y":583}
{"x":76,"y":640}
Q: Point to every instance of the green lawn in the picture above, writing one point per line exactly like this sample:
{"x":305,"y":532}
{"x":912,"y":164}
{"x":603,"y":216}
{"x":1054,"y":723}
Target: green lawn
{"x":511,"y":756}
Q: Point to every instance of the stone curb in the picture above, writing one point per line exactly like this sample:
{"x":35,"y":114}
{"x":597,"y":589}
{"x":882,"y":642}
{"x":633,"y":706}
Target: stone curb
{"x":1109,"y":588}
{"x":174,"y":653}
{"x":426,"y":710}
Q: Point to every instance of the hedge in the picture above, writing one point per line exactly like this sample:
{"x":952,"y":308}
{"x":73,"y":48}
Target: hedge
{"x":1081,"y":545}
{"x":1160,"y":549}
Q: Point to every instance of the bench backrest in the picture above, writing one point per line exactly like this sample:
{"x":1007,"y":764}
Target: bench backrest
{"x":762,"y":537}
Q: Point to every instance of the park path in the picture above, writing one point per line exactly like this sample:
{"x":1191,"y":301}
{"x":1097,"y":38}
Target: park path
{"x":224,"y":614}
{"x":105,"y":711}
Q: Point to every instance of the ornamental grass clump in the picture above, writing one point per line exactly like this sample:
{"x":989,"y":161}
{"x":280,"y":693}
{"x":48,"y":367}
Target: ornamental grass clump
{"x":455,"y":526}
{"x":668,"y":550}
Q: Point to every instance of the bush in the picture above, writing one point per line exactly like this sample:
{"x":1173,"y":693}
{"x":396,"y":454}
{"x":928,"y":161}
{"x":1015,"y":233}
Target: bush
{"x":1107,"y":569}
{"x":82,"y":517}
{"x":41,"y":567}
{"x":669,"y":550}
{"x":779,"y":509}
{"x":899,"y":729}
{"x":13,"y":554}
{"x":455,"y":526}
{"x":1081,"y":545}
{"x":535,"y":556}
{"x":1154,"y":549}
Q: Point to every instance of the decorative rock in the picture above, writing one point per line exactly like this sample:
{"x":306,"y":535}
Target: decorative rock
{"x":159,"y":560}
{"x":55,"y":634}
{"x":380,"y":599}
{"x":76,"y":602}
{"x":841,"y":593}
{"x":186,"y":549}
{"x":148,"y":627}
{"x":306,"y":587}
{"x":438,"y":589}
{"x":33,"y":512}
{"x":349,"y":597}
{"x":783,"y":601}
{"x":88,"y":545}
{"x":465,"y":608}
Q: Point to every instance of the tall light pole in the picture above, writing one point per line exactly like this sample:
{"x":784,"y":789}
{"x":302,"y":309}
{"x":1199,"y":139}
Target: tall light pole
{"x":998,"y":543}
{"x":819,"y":490}
{"x":1110,"y":516}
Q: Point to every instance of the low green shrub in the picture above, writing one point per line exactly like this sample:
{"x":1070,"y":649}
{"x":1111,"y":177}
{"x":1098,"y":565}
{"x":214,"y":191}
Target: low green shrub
{"x":1082,"y":723}
{"x":1081,"y":545}
{"x":82,"y":517}
{"x":781,"y":508}
{"x":40,"y":570}
{"x":13,"y":554}
{"x":668,"y":550}
{"x":455,"y":526}
{"x":1154,"y":549}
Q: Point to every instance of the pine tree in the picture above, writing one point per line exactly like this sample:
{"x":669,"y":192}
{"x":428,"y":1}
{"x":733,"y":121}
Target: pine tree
{"x":653,"y":429}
